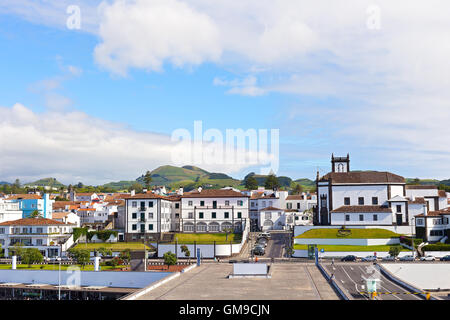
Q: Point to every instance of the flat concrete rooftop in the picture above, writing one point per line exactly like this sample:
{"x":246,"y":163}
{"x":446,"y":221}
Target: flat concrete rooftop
{"x":290,"y":281}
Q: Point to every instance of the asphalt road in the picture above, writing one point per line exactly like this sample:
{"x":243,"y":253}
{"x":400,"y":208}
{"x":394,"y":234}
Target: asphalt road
{"x":352,"y":277}
{"x":276,"y":244}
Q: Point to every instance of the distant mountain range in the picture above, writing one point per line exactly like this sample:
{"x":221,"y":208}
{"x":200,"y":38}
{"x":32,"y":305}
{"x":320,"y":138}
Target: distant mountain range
{"x":190,"y":177}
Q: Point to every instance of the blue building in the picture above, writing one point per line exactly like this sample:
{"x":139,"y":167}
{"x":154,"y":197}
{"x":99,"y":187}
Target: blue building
{"x":32,"y":202}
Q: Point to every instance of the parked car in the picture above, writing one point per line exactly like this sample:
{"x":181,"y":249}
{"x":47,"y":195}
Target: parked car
{"x":259,"y":251}
{"x":264,"y":235}
{"x":445,"y":258}
{"x":427,"y":258}
{"x":369,"y":258}
{"x":408,"y":257}
{"x":388,"y":258}
{"x":349,"y":258}
{"x":262,"y":242}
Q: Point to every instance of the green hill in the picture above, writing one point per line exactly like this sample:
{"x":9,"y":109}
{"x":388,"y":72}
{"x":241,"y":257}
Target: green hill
{"x":51,"y":182}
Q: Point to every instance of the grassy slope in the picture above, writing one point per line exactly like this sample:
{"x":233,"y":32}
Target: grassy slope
{"x":113,"y":246}
{"x":333,"y":248}
{"x":355,"y":234}
{"x":189,"y":238}
{"x":53,"y":267}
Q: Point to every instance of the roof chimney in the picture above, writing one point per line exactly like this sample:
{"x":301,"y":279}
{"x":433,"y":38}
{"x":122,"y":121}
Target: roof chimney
{"x":199,"y":189}
{"x":180,"y":191}
{"x":425,"y":211}
{"x":133,"y":192}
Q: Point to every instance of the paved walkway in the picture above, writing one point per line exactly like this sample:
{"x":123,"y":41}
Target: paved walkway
{"x":209,"y":282}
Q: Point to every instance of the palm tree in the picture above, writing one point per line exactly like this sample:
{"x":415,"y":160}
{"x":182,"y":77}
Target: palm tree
{"x":36,"y":214}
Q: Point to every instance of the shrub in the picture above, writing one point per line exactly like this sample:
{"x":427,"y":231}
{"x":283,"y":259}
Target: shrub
{"x":169,"y":258}
{"x":437,"y":247}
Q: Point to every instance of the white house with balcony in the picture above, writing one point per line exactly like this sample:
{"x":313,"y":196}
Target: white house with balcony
{"x":9,"y":210}
{"x":52,"y":238}
{"x":433,"y":226}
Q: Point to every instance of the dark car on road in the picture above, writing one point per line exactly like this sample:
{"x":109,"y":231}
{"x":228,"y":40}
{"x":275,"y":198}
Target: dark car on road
{"x":262,"y":242}
{"x":349,"y":258}
{"x":259,"y":251}
{"x":445,"y":258}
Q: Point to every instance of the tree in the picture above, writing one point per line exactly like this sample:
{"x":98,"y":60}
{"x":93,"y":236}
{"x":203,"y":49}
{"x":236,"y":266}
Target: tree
{"x":394,"y":251}
{"x":36,"y":214}
{"x":16,"y":249}
{"x":31,"y":255}
{"x":272,"y":182}
{"x":125,"y":255}
{"x":81,"y":256}
{"x":186,"y":251}
{"x":169,"y":258}
{"x":79,"y":185}
{"x":105,"y":252}
{"x":147,"y":179}
{"x":251,"y":183}
{"x":298,"y":189}
{"x":136,"y":186}
{"x":227,"y":232}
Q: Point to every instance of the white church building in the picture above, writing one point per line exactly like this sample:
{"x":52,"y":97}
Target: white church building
{"x":371,"y":198}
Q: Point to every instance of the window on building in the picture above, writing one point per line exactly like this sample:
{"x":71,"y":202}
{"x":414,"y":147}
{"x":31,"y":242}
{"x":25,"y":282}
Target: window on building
{"x":361,"y":201}
{"x":2,"y":230}
{"x":239,"y":215}
{"x":347,"y":201}
{"x":226,"y":215}
{"x":268,"y":215}
{"x":264,"y":204}
{"x":190,"y":215}
{"x":375,"y":217}
{"x":39,"y":230}
{"x":399,"y":208}
{"x":134,"y":204}
{"x":142,"y":228}
{"x":252,"y":204}
{"x":134,"y":215}
{"x":150,"y":227}
{"x":177,"y":205}
{"x":202,"y":203}
{"x":375,"y":201}
{"x":190,"y":203}
{"x":150,"y":204}
{"x":347,"y":217}
{"x":200,"y":215}
{"x":134,"y":227}
{"x":227,"y":202}
{"x":142,"y":205}
{"x":289,"y":205}
{"x":361,"y":217}
{"x":298,"y":205}
{"x":240,"y":203}
{"x":213,"y":215}
{"x":39,"y":242}
{"x":150,"y":215}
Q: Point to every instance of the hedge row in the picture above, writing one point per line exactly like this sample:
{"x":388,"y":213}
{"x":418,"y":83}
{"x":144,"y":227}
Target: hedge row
{"x":437,"y":247}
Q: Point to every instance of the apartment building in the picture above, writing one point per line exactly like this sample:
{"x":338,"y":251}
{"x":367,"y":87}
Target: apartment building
{"x":433,"y":226}
{"x":49,"y":236}
{"x":34,"y":202}
{"x":214,"y":210}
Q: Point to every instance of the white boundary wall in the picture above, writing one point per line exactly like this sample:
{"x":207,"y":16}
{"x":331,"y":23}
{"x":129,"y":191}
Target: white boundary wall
{"x":206,"y":250}
{"x":349,"y":242}
{"x":424,"y":276}
{"x":298,"y":230}
{"x":438,"y":254}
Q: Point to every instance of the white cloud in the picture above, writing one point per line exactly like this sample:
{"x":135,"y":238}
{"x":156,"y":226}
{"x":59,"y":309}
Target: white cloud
{"x":246,"y":86}
{"x":72,"y":147}
{"x":146,"y":33}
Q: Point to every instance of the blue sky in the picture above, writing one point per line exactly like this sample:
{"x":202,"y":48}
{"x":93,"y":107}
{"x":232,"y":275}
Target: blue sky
{"x":349,"y":90}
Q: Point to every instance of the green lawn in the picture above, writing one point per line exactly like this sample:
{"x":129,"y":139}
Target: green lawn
{"x":354,"y":234}
{"x":53,"y":267}
{"x":202,"y":238}
{"x":115,"y":246}
{"x":332,"y":248}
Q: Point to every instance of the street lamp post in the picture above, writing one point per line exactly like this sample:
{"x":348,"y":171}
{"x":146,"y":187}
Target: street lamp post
{"x":412,"y":238}
{"x":59,"y":279}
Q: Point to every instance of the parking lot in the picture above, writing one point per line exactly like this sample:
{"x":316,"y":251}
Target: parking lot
{"x":275,"y":246}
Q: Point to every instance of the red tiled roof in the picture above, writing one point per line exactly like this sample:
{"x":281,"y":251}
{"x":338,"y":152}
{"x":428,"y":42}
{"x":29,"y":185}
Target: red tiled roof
{"x":214,"y":193}
{"x":363,"y":177}
{"x":436,"y":213}
{"x":24,"y":196}
{"x":417,"y":200}
{"x":272,"y":209}
{"x":59,"y":215}
{"x":419,"y":187}
{"x":361,"y":209}
{"x":31,"y":222}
